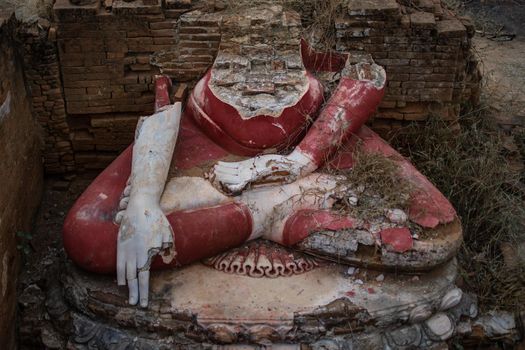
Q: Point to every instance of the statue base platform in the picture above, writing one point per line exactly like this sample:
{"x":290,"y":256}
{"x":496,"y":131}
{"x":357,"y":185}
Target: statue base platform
{"x":324,"y":304}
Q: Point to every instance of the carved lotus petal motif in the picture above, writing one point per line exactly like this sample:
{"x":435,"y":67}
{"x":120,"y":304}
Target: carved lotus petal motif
{"x":451,"y":299}
{"x":420,"y":313}
{"x":263,"y":259}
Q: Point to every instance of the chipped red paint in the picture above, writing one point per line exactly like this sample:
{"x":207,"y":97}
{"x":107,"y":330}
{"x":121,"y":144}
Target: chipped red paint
{"x":350,"y":106}
{"x":399,"y":239}
{"x":301,"y":224}
{"x":350,"y":293}
{"x":162,"y":94}
{"x":223,"y":123}
{"x":90,"y":236}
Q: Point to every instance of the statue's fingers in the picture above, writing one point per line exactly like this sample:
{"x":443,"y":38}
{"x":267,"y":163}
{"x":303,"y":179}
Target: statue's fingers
{"x":144,"y":287}
{"x":133,"y":286}
{"x":131,"y":276}
{"x":123,"y":204}
{"x":131,"y":268}
{"x":119,"y":216}
{"x":127,"y":191}
{"x":121,"y":268}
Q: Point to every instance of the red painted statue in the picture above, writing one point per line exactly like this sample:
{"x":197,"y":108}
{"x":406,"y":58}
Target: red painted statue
{"x":248,"y":159}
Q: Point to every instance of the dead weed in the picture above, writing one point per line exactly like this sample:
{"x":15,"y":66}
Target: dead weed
{"x":467,"y":164}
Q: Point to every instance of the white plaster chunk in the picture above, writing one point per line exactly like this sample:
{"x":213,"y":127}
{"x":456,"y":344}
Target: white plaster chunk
{"x":352,"y":201}
{"x":497,"y":323}
{"x":397,"y":216}
{"x":441,"y":326}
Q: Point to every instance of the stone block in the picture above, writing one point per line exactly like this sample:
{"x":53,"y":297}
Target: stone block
{"x":373,"y":8}
{"x":174,"y":13}
{"x":178,"y":4}
{"x":422,"y":20}
{"x":170,"y":32}
{"x":256,"y":88}
{"x":452,"y":28}
{"x":388,"y":114}
{"x":469,"y":25}
{"x":418,"y":107}
{"x":416,"y":116}
{"x":137,"y":7}
{"x":162,"y":25}
{"x":67,"y":12}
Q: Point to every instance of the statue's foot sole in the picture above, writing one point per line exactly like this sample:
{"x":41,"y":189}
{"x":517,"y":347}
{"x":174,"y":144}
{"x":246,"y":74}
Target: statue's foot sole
{"x":200,"y":304}
{"x":413,"y":253}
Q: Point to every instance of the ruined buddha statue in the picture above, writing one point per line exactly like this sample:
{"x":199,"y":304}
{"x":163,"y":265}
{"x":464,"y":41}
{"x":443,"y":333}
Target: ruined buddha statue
{"x":257,"y":153}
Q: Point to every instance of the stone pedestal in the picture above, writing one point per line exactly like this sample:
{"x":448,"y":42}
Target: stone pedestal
{"x":325,"y":304}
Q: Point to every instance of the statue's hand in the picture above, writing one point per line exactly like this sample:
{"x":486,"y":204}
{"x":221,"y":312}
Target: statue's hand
{"x":143,"y":233}
{"x":235,"y":176}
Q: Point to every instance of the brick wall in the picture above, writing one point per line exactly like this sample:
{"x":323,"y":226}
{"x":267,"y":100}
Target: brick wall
{"x":425,"y":51}
{"x":108,"y":53}
{"x":20,"y":171}
{"x":109,"y":56}
{"x":42,"y":75}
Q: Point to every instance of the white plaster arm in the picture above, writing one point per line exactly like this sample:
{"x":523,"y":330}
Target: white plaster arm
{"x":235,"y":176}
{"x":145,"y":230}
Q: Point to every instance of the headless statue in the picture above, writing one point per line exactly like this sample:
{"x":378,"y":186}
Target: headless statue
{"x":245,"y":160}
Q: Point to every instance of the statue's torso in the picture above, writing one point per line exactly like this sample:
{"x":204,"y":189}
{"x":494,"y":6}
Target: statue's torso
{"x":256,"y":104}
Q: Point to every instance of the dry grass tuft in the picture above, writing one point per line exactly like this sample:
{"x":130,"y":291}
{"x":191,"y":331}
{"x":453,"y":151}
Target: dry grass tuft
{"x":377,"y":184}
{"x":468,"y":166}
{"x":320,"y":24}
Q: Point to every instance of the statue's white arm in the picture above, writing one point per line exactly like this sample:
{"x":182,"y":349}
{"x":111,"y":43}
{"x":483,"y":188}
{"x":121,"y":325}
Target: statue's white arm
{"x":144,"y":229}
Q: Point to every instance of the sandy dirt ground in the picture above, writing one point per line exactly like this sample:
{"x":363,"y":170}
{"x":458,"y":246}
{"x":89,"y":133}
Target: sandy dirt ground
{"x":503,"y":68}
